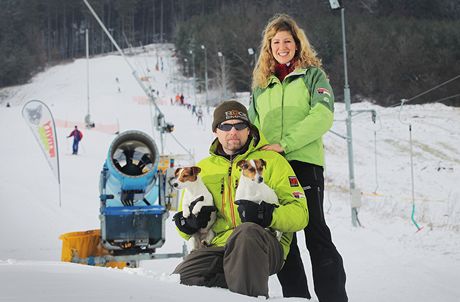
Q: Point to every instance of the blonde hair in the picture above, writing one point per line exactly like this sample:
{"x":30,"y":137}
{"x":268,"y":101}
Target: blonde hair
{"x":305,"y":55}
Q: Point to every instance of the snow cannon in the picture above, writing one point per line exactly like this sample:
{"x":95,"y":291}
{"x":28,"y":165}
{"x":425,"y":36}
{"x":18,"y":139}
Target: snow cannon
{"x":132,"y":212}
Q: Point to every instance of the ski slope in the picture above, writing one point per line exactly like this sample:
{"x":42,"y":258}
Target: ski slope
{"x":385,"y":259}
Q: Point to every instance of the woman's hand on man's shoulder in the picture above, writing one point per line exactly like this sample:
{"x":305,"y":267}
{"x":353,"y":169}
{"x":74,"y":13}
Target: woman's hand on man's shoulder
{"x":273,"y":147}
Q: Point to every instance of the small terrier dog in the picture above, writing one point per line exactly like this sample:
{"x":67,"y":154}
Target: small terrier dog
{"x":187,"y":178}
{"x":251,"y":185}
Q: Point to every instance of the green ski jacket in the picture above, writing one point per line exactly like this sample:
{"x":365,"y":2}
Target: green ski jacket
{"x":295,"y":113}
{"x":221,"y":175}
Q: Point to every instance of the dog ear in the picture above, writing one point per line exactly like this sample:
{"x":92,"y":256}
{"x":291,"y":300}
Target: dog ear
{"x":176,"y":173}
{"x":263,"y":162}
{"x":196,"y":170}
{"x":242,"y":164}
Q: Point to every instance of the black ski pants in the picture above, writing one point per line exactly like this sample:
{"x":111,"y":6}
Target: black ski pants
{"x":327,"y":264}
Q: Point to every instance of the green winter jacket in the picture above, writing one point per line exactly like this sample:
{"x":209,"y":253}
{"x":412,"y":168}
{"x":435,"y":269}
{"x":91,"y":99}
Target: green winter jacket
{"x":220,"y":175}
{"x":295,"y":113}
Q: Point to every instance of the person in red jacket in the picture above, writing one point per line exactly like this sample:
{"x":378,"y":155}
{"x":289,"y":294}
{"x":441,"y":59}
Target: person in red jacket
{"x":77,"y":136}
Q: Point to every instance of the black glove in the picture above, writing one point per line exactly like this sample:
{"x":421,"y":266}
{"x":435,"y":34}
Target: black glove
{"x":193,"y":223}
{"x":250,"y":211}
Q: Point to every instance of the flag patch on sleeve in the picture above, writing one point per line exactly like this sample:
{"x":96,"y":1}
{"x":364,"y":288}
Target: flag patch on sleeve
{"x":323,"y":91}
{"x":298,"y":194}
{"x":293,"y":181}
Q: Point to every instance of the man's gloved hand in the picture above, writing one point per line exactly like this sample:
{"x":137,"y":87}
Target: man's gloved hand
{"x":249,"y":211}
{"x":193,"y":223}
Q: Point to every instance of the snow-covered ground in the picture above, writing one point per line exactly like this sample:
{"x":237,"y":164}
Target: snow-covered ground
{"x":385,"y":260}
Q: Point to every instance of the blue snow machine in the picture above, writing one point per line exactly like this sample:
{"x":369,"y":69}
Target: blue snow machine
{"x":132,"y":199}
{"x":134,"y":202}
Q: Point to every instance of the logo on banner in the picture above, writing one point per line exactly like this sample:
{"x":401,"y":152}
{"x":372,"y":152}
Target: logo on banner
{"x":40,"y":121}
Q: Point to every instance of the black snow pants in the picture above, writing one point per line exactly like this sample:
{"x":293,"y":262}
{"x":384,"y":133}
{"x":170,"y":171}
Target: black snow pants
{"x":327,"y":264}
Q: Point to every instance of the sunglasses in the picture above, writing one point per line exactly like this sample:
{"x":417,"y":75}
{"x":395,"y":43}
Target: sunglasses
{"x":237,"y":126}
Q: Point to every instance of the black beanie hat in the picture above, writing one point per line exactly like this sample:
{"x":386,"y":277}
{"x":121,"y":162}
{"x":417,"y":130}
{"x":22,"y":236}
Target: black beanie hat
{"x":229,"y":110}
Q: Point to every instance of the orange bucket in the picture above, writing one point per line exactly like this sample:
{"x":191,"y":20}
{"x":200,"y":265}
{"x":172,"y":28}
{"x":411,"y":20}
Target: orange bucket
{"x":85,"y":244}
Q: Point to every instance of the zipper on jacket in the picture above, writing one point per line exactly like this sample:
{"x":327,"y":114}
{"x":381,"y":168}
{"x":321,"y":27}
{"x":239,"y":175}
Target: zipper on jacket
{"x":282,"y":109}
{"x":230,"y":199}
{"x":282,"y":103}
{"x":222,"y":190}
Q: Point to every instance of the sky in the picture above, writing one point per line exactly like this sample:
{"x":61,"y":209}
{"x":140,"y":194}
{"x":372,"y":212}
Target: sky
{"x":386,"y":259}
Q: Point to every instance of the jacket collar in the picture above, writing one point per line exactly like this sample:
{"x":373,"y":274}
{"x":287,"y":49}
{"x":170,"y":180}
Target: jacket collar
{"x":296,"y":72}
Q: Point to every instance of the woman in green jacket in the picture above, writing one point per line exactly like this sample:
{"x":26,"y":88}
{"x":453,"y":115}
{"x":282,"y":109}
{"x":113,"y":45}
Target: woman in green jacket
{"x":292,"y":104}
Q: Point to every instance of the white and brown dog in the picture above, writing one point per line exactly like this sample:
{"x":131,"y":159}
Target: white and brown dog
{"x":187,"y":178}
{"x":251,"y":185}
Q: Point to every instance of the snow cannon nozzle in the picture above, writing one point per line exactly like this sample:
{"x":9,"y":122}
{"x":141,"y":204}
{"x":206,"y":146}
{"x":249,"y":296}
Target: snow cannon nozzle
{"x":132,"y":164}
{"x":133,"y":153}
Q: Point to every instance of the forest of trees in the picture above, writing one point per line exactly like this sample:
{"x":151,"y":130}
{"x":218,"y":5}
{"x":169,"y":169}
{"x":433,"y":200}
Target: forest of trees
{"x":396,"y":48}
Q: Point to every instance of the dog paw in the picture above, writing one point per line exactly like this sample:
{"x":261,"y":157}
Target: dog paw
{"x":185,"y":212}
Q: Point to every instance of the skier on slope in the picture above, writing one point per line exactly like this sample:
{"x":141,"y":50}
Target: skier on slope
{"x":199,"y":115}
{"x":77,"y":136}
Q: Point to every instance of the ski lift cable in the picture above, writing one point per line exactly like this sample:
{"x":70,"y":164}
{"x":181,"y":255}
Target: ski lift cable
{"x":411,"y":165}
{"x":149,"y":94}
{"x":120,"y":51}
{"x":429,"y":90}
{"x":425,"y":92}
{"x":446,"y":98}
{"x":134,"y":73}
{"x":182,"y":146}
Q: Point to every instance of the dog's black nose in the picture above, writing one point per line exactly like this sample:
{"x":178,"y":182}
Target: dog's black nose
{"x":260,"y":179}
{"x":175,"y":185}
